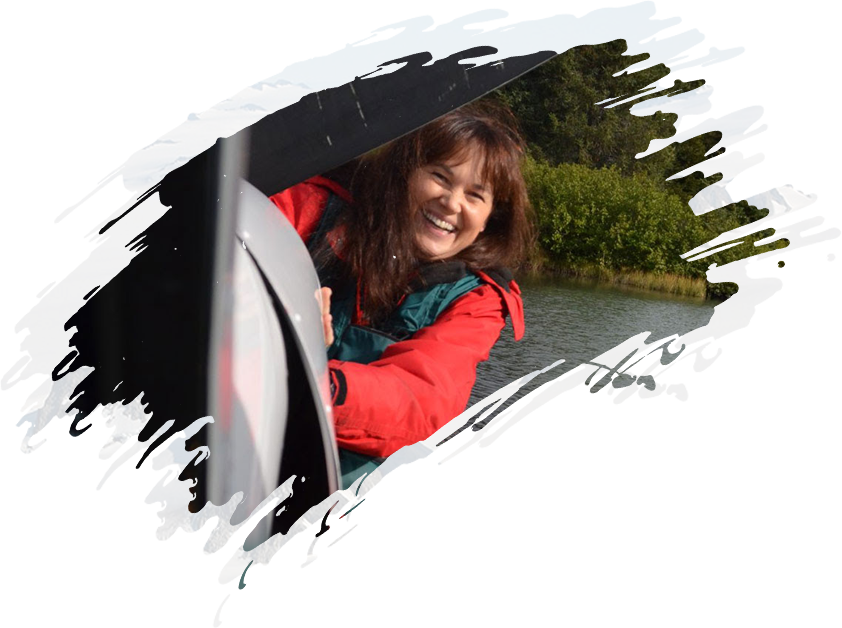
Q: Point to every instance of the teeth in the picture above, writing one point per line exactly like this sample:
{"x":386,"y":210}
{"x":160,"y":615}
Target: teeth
{"x":441,"y":224}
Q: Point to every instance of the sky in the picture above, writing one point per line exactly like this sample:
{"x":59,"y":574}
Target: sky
{"x":712,"y":37}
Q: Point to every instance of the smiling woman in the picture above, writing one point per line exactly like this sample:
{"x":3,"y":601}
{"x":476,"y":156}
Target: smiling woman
{"x":415,"y":255}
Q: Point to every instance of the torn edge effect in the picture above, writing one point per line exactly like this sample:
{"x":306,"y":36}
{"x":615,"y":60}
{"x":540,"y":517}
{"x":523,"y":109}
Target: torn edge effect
{"x":616,"y":377}
{"x":213,"y":515}
{"x":220,"y":536}
{"x":56,"y":411}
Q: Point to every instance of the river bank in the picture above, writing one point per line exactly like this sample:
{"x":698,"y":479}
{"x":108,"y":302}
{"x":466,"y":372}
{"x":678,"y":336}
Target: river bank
{"x":677,"y":285}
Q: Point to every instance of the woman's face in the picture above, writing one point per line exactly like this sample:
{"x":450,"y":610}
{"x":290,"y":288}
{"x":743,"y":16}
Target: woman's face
{"x":451,"y":204}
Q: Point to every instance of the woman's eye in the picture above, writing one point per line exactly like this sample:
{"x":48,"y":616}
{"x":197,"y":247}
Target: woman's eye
{"x":439,"y":177}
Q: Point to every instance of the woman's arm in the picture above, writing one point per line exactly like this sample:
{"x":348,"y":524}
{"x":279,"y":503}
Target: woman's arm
{"x":419,"y":384}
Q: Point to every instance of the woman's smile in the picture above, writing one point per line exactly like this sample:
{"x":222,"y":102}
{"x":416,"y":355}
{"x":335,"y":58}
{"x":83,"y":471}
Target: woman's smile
{"x":439,"y":224}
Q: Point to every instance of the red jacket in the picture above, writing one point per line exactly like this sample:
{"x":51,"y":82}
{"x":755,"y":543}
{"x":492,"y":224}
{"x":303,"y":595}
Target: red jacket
{"x":418,"y":384}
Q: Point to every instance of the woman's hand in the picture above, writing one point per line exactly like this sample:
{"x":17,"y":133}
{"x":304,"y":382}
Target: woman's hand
{"x":327,"y":319}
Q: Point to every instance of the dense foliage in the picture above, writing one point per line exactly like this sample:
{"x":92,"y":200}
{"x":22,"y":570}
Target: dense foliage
{"x":599,"y":219}
{"x":576,"y":109}
{"x":597,"y":205}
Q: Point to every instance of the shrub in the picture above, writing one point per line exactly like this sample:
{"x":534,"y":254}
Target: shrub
{"x":601,"y":218}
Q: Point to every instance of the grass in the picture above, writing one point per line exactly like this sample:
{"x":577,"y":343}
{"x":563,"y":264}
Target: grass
{"x":657,"y":282}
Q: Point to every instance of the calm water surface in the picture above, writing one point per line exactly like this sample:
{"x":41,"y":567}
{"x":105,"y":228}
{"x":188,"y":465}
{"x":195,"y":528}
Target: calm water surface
{"x":578,"y":321}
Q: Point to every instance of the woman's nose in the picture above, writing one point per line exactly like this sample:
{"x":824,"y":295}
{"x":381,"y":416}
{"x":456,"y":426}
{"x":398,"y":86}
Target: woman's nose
{"x":453,"y":202}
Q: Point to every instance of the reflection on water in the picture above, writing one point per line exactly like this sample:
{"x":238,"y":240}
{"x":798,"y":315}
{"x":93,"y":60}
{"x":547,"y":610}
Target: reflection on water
{"x":578,"y":321}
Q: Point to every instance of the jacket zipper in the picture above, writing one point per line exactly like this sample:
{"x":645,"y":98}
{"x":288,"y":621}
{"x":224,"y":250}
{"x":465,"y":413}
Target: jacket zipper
{"x":377,"y":331}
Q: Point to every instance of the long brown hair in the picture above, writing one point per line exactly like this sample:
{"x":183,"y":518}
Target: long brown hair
{"x":378,"y":241}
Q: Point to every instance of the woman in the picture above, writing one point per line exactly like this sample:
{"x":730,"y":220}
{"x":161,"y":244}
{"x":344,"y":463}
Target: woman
{"x":414,"y":263}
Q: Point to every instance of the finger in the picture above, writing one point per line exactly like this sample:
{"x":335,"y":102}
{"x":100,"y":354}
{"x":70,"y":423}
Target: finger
{"x":327,"y":324}
{"x":321,"y":296}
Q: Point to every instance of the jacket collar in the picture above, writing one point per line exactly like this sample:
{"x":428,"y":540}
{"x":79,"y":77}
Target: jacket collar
{"x":510,"y":294}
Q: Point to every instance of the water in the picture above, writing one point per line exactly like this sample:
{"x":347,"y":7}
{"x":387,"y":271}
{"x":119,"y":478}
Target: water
{"x":578,"y":321}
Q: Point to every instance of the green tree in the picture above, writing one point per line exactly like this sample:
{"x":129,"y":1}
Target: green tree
{"x":569,"y":110}
{"x":597,"y":205}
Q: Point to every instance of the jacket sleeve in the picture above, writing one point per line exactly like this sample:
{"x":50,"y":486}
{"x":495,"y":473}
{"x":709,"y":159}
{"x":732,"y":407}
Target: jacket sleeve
{"x":418,"y":384}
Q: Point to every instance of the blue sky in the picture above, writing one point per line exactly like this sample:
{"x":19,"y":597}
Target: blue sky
{"x":714,"y":37}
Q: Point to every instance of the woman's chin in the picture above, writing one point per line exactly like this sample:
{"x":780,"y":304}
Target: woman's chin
{"x":434,"y":250}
